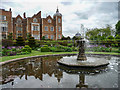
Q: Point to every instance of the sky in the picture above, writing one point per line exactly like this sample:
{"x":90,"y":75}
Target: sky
{"x":90,"y":13}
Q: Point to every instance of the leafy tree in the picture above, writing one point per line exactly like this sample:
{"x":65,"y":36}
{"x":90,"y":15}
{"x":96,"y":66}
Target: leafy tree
{"x":99,"y":34}
{"x":118,"y":28}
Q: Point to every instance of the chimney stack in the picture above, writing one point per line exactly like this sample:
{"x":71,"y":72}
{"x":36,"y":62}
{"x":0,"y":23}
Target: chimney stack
{"x":24,"y":15}
{"x":10,"y":9}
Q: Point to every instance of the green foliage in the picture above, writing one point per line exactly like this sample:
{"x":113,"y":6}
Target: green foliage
{"x":118,"y":28}
{"x":76,"y":38}
{"x":28,"y":36}
{"x":10,"y":36}
{"x":74,"y":49}
{"x":65,"y":38}
{"x":20,"y":41}
{"x":26,"y":42}
{"x":31,"y":42}
{"x":117,"y":37}
{"x":7,"y":43}
{"x":110,"y":37}
{"x":99,"y":34}
{"x":27,"y":49}
{"x":69,"y":44}
{"x":45,"y":48}
{"x":43,"y":38}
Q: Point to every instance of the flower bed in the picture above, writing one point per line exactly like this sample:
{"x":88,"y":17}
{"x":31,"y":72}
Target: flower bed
{"x":99,"y":48}
{"x":14,"y":50}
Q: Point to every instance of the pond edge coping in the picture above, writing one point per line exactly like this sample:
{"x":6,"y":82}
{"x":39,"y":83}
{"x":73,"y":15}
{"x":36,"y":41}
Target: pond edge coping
{"x":12,"y":60}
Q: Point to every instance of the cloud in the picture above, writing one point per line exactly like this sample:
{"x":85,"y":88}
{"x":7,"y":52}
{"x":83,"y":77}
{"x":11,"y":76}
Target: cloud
{"x":92,"y":14}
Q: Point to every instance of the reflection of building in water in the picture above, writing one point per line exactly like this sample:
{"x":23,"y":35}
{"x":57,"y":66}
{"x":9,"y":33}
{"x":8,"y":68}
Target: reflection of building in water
{"x":32,"y":67}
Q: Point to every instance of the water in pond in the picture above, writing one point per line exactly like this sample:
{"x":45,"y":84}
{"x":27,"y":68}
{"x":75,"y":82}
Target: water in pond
{"x":44,"y":72}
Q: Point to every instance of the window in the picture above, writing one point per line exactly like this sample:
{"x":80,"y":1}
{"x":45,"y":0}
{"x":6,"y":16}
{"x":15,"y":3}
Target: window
{"x":4,"y":29}
{"x":2,"y":17}
{"x":19,"y":34}
{"x":4,"y":26}
{"x":35,"y":28}
{"x":52,"y":29}
{"x":34,"y":20}
{"x":58,"y":20}
{"x":46,"y":36}
{"x":19,"y":21}
{"x":59,"y":28}
{"x":36,"y":36}
{"x":18,"y":28}
{"x":59,"y":36}
{"x":52,"y":37}
{"x":49,"y":21}
{"x":46,"y":28}
{"x":3,"y":36}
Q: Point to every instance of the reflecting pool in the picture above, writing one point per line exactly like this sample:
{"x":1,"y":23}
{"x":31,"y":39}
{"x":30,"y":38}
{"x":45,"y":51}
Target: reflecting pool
{"x":44,"y":72}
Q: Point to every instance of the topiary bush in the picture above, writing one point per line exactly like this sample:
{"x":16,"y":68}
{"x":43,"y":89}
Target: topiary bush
{"x":20,"y":41}
{"x":27,"y":48}
{"x":45,"y":48}
{"x":31,"y":42}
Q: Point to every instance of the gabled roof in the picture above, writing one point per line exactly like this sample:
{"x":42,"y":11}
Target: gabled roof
{"x":18,"y":16}
{"x":49,"y":17}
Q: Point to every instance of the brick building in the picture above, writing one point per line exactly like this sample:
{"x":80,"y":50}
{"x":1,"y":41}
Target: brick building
{"x":5,"y":23}
{"x":50,"y":28}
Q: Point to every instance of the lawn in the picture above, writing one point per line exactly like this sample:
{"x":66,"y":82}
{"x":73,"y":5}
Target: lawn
{"x":35,"y":53}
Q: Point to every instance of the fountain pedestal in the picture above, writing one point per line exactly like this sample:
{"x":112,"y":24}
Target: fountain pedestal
{"x":81,"y":55}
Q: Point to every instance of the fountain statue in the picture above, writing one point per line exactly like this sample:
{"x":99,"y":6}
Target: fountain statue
{"x":81,"y":54}
{"x":82,"y":60}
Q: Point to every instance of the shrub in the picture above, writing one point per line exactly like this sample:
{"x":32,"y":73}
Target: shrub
{"x":70,"y":45}
{"x":7,"y":43}
{"x":32,"y":42}
{"x":52,"y":49}
{"x":45,"y":48}
{"x":68,"y":49}
{"x":110,"y":37}
{"x":20,"y":41}
{"x":27,"y":49}
{"x":74,"y":49}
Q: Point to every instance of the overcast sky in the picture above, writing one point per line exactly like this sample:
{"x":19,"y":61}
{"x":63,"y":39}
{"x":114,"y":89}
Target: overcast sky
{"x":90,"y":13}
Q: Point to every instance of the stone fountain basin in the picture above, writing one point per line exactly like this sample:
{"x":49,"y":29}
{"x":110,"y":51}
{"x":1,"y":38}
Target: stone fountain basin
{"x":91,"y":62}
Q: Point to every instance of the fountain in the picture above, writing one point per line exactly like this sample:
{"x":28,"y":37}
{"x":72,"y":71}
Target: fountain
{"x":82,"y":60}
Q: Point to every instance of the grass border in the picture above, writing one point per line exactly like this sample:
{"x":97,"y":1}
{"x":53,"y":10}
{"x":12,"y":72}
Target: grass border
{"x":40,"y":54}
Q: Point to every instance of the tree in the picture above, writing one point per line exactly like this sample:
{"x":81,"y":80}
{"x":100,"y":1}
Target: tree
{"x":99,"y":34}
{"x":118,"y":28}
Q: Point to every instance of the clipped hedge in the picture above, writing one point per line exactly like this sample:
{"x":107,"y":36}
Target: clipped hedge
{"x":27,"y":49}
{"x":45,"y":48}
